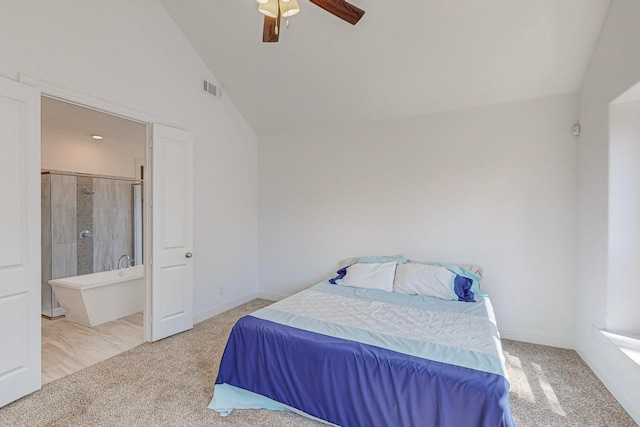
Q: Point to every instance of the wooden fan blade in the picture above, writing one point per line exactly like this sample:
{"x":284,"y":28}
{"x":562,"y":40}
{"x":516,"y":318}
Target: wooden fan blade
{"x":341,"y":9}
{"x":269,"y":33}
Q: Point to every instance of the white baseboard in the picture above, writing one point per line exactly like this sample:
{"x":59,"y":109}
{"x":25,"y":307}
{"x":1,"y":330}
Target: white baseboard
{"x":272,"y":296}
{"x":629,"y":403}
{"x":207,"y":313}
{"x":542,"y":339}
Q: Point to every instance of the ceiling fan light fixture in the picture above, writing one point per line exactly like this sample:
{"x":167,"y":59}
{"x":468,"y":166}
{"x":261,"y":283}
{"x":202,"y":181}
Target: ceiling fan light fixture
{"x":275,"y":9}
{"x":289,"y":8}
{"x":270,"y":8}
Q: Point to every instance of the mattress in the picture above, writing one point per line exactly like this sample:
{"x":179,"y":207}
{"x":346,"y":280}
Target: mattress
{"x":361,"y":357}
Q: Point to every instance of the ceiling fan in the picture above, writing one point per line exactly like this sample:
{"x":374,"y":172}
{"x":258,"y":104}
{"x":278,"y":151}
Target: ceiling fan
{"x":274,"y":10}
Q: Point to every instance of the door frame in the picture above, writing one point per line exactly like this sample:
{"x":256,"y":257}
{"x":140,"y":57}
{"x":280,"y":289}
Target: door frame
{"x":55,"y":91}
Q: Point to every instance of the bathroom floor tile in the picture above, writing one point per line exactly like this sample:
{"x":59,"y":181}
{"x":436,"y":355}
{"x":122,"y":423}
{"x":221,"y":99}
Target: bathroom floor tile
{"x":68,"y":347}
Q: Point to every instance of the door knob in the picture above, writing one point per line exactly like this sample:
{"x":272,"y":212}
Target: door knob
{"x":188,"y":255}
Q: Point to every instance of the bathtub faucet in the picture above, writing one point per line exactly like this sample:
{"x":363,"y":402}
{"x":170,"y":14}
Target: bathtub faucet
{"x":127,"y":259}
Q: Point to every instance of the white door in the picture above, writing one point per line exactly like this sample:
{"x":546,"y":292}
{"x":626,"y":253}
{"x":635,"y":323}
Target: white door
{"x":172,"y":233}
{"x":19,"y":240}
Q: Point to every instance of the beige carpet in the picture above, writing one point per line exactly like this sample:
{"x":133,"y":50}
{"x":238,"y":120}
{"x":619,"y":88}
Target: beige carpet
{"x":170,"y":383}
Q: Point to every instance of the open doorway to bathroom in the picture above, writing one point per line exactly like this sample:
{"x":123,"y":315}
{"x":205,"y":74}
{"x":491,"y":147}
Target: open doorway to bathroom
{"x":93,"y":286}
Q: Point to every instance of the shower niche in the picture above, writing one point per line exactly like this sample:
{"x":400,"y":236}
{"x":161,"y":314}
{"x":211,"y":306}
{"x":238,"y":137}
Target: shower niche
{"x":89,"y":224}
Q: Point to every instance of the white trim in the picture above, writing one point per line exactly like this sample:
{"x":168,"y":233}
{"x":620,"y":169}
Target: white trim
{"x":147,"y":256}
{"x":66,"y":94}
{"x":629,"y":346}
{"x":535,"y":338}
{"x":629,"y":403}
{"x":208,"y":313}
{"x":272,"y":296}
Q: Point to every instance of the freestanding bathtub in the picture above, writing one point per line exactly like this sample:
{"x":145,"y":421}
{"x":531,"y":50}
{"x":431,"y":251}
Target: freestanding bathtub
{"x":97,"y":298}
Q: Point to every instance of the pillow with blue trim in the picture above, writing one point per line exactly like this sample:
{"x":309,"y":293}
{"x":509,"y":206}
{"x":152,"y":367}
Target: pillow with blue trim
{"x":468,"y":270}
{"x":434,"y":281}
{"x":373,"y":259}
{"x":370,"y":275}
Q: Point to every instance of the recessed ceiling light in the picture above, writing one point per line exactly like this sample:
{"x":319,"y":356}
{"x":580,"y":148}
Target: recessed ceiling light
{"x":96,"y":137}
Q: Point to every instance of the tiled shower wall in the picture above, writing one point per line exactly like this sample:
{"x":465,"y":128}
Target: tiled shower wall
{"x":47,"y":298}
{"x":64,"y":242}
{"x":112,"y":217}
{"x":84,"y":188}
{"x":59,"y":245}
{"x":71,"y":204}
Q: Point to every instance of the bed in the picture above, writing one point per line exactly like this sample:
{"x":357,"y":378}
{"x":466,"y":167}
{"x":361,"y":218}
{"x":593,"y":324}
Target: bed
{"x":367,"y":356}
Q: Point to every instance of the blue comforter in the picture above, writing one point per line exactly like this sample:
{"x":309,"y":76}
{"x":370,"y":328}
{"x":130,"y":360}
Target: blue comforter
{"x":358,"y":357}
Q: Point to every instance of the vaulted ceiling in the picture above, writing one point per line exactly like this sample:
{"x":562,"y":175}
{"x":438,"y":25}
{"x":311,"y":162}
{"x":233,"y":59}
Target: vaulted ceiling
{"x":404,"y":58}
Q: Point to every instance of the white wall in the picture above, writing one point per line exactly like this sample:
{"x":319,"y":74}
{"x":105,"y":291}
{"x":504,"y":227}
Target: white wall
{"x":614,"y":67}
{"x":494,"y":185}
{"x":132,"y":53}
{"x":623,"y":290}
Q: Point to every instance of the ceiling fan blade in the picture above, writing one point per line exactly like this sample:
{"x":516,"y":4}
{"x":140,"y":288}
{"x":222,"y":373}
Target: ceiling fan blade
{"x":271,"y":29}
{"x":341,"y":9}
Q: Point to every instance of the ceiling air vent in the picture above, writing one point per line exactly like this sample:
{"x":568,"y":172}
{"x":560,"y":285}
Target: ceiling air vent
{"x":211,"y":89}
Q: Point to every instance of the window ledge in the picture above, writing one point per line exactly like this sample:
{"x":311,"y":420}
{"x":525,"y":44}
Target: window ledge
{"x":628,"y":345}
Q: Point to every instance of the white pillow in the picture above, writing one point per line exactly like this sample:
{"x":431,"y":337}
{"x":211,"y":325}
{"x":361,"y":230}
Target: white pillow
{"x":372,"y":276}
{"x":424,"y":279}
